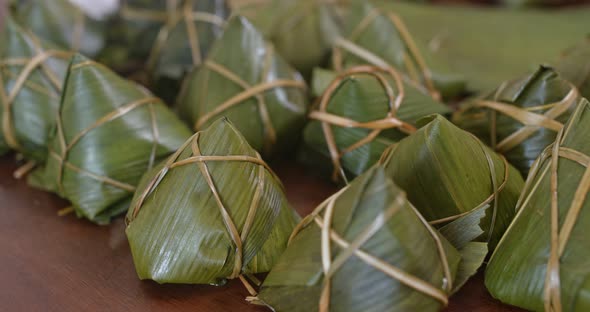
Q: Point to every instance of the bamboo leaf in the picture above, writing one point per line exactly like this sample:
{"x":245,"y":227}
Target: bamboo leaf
{"x":459,"y":174}
{"x":465,"y":229}
{"x":372,"y":215}
{"x":64,"y":24}
{"x":109,"y":132}
{"x":177,"y":227}
{"x":291,"y":25}
{"x":472,"y":258}
{"x":168,"y":37}
{"x":549,"y":233}
{"x":321,"y":79}
{"x":367,"y":99}
{"x":378,"y":37}
{"x":489,"y":45}
{"x":574,"y":65}
{"x":31,"y":75}
{"x":462,"y":234}
{"x":245,"y":80}
{"x":521,"y":117}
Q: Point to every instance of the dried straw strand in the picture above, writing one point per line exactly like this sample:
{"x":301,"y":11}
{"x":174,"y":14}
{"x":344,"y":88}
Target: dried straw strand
{"x":390,"y":121}
{"x":415,"y":64}
{"x":532,"y":122}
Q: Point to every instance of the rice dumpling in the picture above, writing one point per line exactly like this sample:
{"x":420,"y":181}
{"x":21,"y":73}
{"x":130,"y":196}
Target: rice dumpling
{"x":212,"y":211}
{"x":521,"y":117}
{"x":293,"y":24}
{"x":363,"y":111}
{"x":458,"y":173}
{"x":364,"y":249}
{"x":64,"y":24}
{"x":173,"y":36}
{"x":377,"y":37}
{"x":541,"y":263}
{"x":31,"y":75}
{"x":245,"y":80}
{"x":574,"y":65}
{"x":109,"y":131}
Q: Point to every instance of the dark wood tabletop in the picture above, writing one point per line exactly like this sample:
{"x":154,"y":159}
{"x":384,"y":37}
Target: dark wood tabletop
{"x":51,"y":263}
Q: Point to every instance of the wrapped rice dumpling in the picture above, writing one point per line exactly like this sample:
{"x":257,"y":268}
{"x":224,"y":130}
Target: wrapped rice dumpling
{"x":109,"y":132}
{"x":541,"y":263}
{"x":362,"y":112}
{"x":377,"y":37}
{"x":364,"y":249}
{"x":172,"y":35}
{"x":64,"y":24}
{"x":521,"y":117}
{"x":245,"y":80}
{"x":574,"y":65}
{"x":458,"y":173}
{"x":293,"y":24}
{"x":212,"y":211}
{"x":31,"y":75}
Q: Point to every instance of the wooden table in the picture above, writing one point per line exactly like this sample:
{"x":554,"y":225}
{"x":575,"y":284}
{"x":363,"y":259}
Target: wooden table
{"x":51,"y":263}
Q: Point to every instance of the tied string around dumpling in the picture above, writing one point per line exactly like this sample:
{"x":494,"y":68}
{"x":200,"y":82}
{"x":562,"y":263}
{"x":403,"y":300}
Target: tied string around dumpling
{"x":395,"y":97}
{"x":65,"y":147}
{"x":559,"y":236}
{"x":7,"y":97}
{"x":170,"y":19}
{"x":414,"y":63}
{"x":496,"y":189}
{"x":201,"y":160}
{"x":532,"y":118}
{"x":267,"y":83}
{"x":331,"y":265}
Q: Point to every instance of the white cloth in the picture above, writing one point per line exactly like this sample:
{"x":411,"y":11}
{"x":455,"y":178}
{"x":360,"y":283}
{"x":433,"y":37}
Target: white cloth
{"x":97,"y":9}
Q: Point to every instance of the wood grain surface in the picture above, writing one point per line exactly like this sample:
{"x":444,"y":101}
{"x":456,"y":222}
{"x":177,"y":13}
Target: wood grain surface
{"x":51,"y":263}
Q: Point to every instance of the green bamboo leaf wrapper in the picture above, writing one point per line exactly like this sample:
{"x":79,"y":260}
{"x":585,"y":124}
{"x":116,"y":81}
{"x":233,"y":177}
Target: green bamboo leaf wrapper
{"x":177,"y":34}
{"x":246,"y":80}
{"x":160,"y":41}
{"x":487,"y":45}
{"x":574,"y":65}
{"x":374,"y":101}
{"x":213,"y":211}
{"x":31,"y":78}
{"x":109,"y":132}
{"x":64,"y":24}
{"x":369,"y":220}
{"x":517,"y":271}
{"x":381,"y":38}
{"x":321,"y":79}
{"x":458,"y":173}
{"x":294,"y":24}
{"x":521,"y":117}
{"x":462,"y":234}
